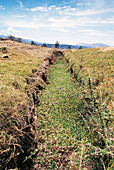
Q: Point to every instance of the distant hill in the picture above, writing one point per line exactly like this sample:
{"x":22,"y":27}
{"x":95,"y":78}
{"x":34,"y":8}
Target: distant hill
{"x":94,"y":45}
{"x":2,"y":36}
{"x":64,"y":46}
{"x":99,"y":45}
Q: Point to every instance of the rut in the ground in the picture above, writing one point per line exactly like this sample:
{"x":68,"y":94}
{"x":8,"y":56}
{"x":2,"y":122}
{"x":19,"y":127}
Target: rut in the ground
{"x":57,"y":121}
{"x":58,"y":103}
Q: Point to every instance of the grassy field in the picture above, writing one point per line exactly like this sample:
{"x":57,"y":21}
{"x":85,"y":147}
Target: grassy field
{"x":14,"y":71}
{"x":74,"y":113}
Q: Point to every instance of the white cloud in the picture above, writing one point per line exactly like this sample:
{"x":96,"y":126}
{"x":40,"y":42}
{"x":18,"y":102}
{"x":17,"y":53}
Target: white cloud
{"x":51,"y":23}
{"x":1,"y":7}
{"x":108,"y":21}
{"x":41,"y":8}
{"x":64,"y":24}
{"x":20,"y":3}
{"x":53,"y":6}
{"x":11,"y":30}
{"x":64,"y":6}
{"x":58,"y":8}
{"x":100,"y":34}
{"x":77,"y":12}
{"x":69,"y":24}
{"x":94,"y":32}
{"x":26,"y":24}
{"x":86,"y":30}
{"x":19,"y":16}
{"x":83,"y":4}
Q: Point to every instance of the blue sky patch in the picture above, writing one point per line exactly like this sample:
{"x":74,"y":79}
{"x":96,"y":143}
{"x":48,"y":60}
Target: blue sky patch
{"x":68,"y":21}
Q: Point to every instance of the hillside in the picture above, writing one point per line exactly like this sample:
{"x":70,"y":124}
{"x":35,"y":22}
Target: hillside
{"x":23,"y":59}
{"x":56,"y":115}
{"x":17,"y":95}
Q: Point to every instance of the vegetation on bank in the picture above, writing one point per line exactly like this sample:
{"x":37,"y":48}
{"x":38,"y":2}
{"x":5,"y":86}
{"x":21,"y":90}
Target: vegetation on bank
{"x":72,"y":130}
{"x":15,"y":71}
{"x":97,"y":65}
{"x":92,"y":71}
{"x":13,"y":74}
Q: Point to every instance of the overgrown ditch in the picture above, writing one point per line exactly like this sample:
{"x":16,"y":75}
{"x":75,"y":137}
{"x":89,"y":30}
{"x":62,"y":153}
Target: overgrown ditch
{"x":58,"y":133}
{"x":67,"y":138}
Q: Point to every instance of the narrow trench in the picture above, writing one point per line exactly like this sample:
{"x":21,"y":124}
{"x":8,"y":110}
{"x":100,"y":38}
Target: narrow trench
{"x":58,"y":100}
{"x":57,"y":119}
{"x":60,"y":128}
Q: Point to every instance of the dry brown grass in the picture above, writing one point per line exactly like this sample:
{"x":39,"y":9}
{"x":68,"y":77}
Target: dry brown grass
{"x":23,"y":60}
{"x":106,"y":49}
{"x":26,"y":49}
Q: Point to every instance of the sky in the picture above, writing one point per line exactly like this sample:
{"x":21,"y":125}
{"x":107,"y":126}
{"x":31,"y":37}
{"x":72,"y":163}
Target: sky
{"x":66,"y":21}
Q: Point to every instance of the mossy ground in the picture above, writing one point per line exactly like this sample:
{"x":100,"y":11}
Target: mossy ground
{"x":57,"y":130}
{"x":59,"y":101}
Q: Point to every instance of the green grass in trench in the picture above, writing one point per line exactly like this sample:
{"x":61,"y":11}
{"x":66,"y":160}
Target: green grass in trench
{"x":58,"y":104}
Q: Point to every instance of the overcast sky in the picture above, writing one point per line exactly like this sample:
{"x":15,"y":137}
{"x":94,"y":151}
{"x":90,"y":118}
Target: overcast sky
{"x":68,"y":21}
